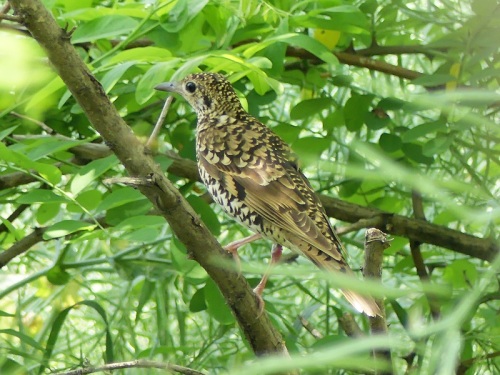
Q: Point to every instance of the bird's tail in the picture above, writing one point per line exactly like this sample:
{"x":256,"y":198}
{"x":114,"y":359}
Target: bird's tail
{"x":364,"y":304}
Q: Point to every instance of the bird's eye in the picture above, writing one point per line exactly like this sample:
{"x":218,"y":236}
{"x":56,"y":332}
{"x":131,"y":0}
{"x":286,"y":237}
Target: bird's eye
{"x":191,"y":87}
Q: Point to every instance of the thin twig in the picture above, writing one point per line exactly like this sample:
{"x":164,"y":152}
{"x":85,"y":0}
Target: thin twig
{"x":8,"y":17}
{"x":13,"y":216}
{"x":309,"y":328}
{"x":133,"y":364}
{"x":360,"y":224}
{"x":160,"y":121}
{"x":44,"y":126}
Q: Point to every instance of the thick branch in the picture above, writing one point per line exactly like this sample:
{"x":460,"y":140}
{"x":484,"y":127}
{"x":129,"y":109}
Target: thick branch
{"x":201,"y":245}
{"x":413,"y":229}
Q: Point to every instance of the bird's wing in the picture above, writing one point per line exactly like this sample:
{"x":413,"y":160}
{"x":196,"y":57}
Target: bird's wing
{"x":278,"y":192}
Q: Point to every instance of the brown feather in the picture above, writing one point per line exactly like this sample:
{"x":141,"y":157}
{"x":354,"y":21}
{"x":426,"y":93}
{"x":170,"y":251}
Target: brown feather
{"x":253,"y":175}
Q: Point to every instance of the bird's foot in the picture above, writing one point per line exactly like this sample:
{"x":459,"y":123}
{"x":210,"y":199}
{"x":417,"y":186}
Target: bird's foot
{"x":235,"y":245}
{"x":258,"y":290}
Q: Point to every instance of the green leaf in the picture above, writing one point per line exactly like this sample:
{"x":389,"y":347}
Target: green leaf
{"x":140,"y":54}
{"x":375,"y":121}
{"x":141,"y":221}
{"x":345,"y":18}
{"x":206,"y":213}
{"x":423,"y":130}
{"x":109,"y":80}
{"x":48,"y":146}
{"x":120,"y":197}
{"x":216,"y":305}
{"x":51,"y":173}
{"x":289,"y":133}
{"x":143,"y":235}
{"x":389,"y":142}
{"x":180,"y":260}
{"x":355,"y":111}
{"x":182,"y":13}
{"x":349,"y":187}
{"x":433,"y":80}
{"x":57,"y":276}
{"x":11,"y":367}
{"x":341,"y":80}
{"x":41,"y":196}
{"x":309,"y":149}
{"x":437,"y":145}
{"x":25,"y":339}
{"x":299,"y":40}
{"x":155,"y":75}
{"x":415,"y":153}
{"x":89,"y":200}
{"x":391,"y":104}
{"x":57,"y":326}
{"x":137,"y":207}
{"x":47,"y":211}
{"x":89,"y":173}
{"x":104,"y":27}
{"x":310,"y":107}
{"x":461,"y":274}
{"x":148,"y":287}
{"x":6,"y":132}
{"x":65,"y":227}
{"x":197,"y":302}
{"x":46,"y":95}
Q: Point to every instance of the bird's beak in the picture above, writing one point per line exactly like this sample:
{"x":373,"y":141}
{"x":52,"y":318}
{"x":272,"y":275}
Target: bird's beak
{"x":168,"y":86}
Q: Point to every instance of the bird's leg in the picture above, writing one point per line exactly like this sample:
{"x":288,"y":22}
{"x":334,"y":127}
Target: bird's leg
{"x":259,"y":289}
{"x":235,"y":245}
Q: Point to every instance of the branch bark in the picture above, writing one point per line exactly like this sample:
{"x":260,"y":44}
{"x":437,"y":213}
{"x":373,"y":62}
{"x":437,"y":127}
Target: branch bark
{"x":360,"y":61}
{"x":133,"y":364}
{"x":375,"y":244}
{"x":418,"y":260}
{"x":201,"y":245}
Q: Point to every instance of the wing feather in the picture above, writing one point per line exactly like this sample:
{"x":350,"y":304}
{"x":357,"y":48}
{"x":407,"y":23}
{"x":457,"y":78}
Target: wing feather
{"x":276,"y":197}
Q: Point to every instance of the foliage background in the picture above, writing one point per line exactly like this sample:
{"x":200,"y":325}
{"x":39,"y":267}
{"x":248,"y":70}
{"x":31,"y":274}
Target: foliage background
{"x":403,"y":117}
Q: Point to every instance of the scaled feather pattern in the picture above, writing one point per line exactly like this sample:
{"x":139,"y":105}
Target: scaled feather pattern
{"x":253,"y":175}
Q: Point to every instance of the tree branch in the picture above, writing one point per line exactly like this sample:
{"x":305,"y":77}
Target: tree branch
{"x":418,"y":260}
{"x":201,"y":245}
{"x":375,"y":244}
{"x":413,"y":229}
{"x":21,"y":246}
{"x":133,"y":364}
{"x":358,"y":60}
{"x":376,"y":50}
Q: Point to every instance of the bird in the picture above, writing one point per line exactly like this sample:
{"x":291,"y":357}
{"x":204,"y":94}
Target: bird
{"x":254,"y":176}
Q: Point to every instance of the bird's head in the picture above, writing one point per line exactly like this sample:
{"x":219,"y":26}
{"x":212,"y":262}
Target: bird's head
{"x":208,"y":93}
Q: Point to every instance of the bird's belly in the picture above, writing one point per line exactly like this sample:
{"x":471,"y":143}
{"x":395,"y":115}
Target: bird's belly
{"x":237,"y":209}
{"x":233,"y":206}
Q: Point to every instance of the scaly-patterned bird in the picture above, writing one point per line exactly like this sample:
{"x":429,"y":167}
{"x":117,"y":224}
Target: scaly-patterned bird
{"x":253,"y":175}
